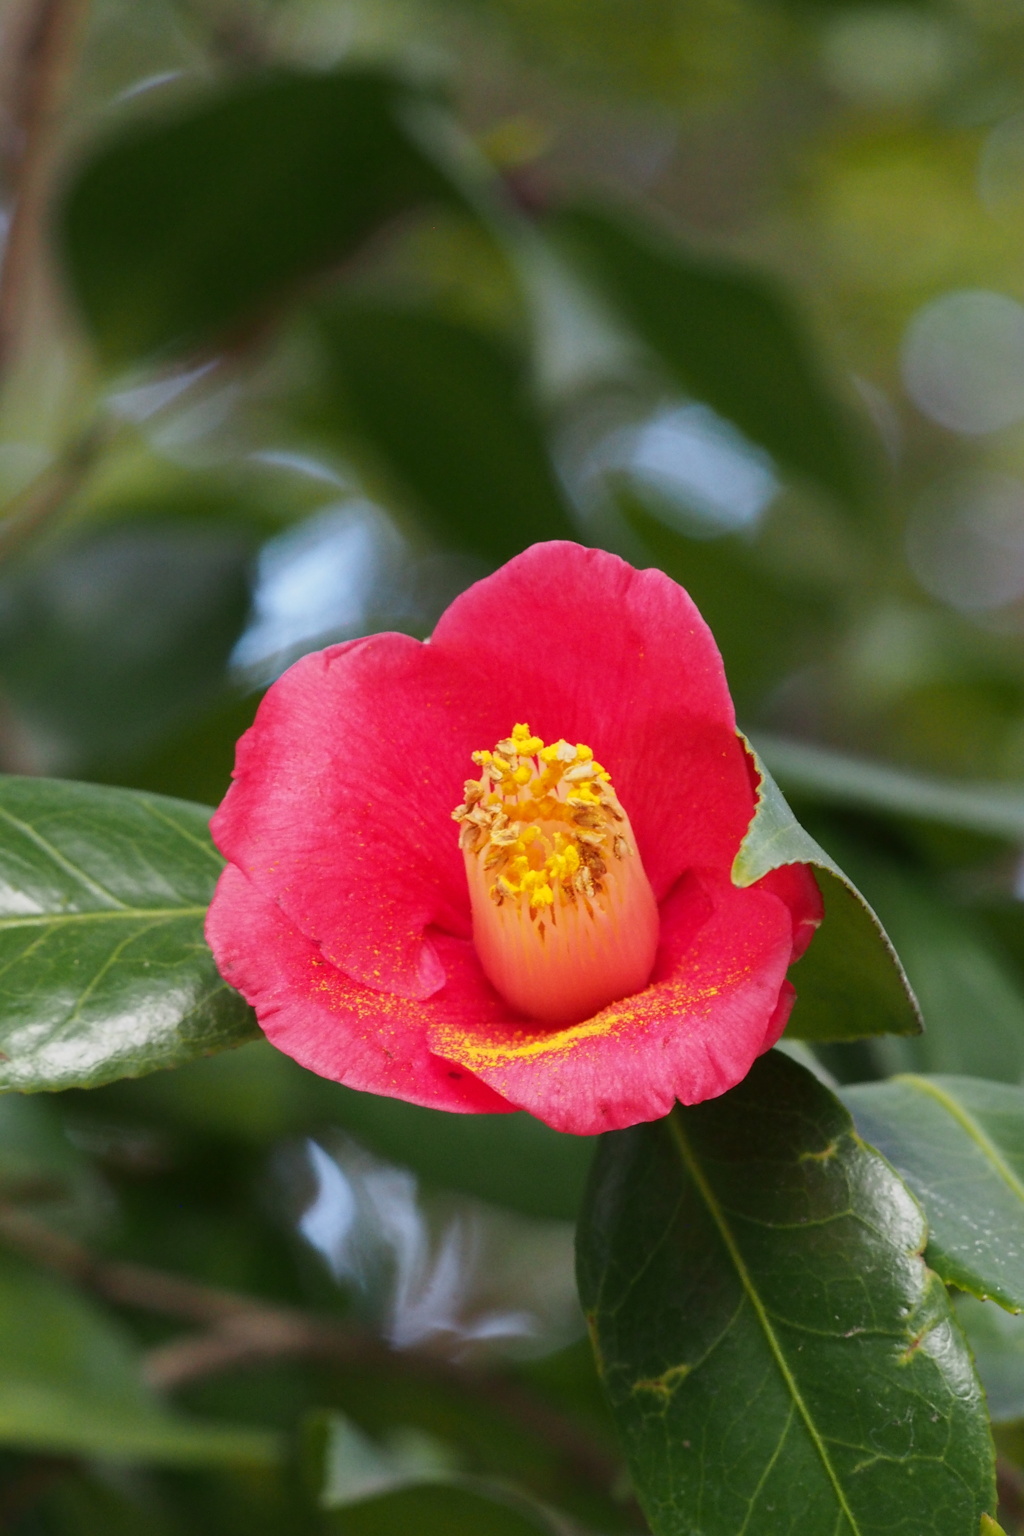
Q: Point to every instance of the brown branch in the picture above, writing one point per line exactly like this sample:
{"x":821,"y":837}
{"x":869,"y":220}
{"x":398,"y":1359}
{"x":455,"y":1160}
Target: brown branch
{"x":45,"y":496}
{"x":241,"y":1331}
{"x":41,"y":73}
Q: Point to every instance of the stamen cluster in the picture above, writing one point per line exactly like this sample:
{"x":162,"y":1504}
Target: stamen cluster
{"x":544,"y":819}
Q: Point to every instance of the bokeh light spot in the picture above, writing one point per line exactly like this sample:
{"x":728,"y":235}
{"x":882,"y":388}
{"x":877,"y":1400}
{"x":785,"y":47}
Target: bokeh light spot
{"x":963,"y":361}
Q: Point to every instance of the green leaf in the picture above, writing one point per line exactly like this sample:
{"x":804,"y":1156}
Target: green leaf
{"x":959,"y":1144}
{"x":776,"y":1353}
{"x":727,"y":335}
{"x":36,"y":1158}
{"x":180,"y":228}
{"x":412,"y":1482}
{"x":850,"y":982}
{"x":42,"y":1172}
{"x":990,"y":1528}
{"x":996,"y":1338}
{"x":838,"y":779}
{"x":445,"y":412}
{"x":178,"y":587}
{"x":70,"y":1384}
{"x":971,"y":997}
{"x":444,"y":1510}
{"x":350,"y":1467}
{"x":83,"y":1502}
{"x":103,"y":965}
{"x":512,"y":1160}
{"x":256,"y":1095}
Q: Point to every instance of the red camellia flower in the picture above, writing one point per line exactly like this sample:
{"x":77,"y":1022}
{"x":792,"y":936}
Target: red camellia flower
{"x":572,"y":942}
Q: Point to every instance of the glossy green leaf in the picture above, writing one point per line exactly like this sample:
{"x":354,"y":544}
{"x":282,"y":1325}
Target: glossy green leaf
{"x":836,"y":778}
{"x":180,"y":228}
{"x":104,"y":972}
{"x":445,"y":413}
{"x":959,"y":1144}
{"x":411,"y":1481}
{"x":990,"y":1528}
{"x":970,"y":995}
{"x":776,"y":1353}
{"x":996,"y":1338}
{"x":70,"y":1383}
{"x":850,"y":983}
{"x":727,"y":335}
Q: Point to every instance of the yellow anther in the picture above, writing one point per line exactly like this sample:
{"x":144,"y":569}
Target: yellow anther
{"x":564,"y":918}
{"x":551,"y":845}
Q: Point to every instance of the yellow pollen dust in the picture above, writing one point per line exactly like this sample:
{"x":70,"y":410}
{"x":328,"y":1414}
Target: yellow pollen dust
{"x":545,"y":822}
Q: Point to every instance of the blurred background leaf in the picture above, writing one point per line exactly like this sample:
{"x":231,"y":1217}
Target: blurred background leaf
{"x":179,"y":230}
{"x":725,"y":336}
{"x":446,"y":411}
{"x":72,"y":1383}
{"x":120,"y":635}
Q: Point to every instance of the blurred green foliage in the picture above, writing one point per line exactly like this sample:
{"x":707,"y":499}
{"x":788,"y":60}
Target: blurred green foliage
{"x":312,"y":312}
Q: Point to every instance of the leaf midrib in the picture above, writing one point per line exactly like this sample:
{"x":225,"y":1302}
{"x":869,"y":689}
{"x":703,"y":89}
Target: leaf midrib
{"x":103,"y":915}
{"x":746,"y":1280}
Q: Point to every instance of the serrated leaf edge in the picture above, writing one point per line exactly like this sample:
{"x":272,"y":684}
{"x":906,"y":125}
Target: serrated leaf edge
{"x":987,"y":1148}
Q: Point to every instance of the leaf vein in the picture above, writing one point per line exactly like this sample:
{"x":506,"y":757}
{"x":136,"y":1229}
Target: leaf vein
{"x":718,"y":1217}
{"x":971,"y":1126}
{"x":58,"y":858}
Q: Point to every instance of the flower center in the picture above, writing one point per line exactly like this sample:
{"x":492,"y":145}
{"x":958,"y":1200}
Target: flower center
{"x":564,"y":918}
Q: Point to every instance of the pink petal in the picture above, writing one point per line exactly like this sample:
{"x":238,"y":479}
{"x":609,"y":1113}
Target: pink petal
{"x":692,"y":1034}
{"x":796,"y":885}
{"x":780,"y":1018}
{"x":341,"y":804}
{"x":336,"y":1027}
{"x":579,"y":644}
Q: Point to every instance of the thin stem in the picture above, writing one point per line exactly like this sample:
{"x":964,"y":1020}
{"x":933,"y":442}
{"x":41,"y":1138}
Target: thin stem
{"x":240,"y":1331}
{"x":45,"y":497}
{"x":41,"y":76}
